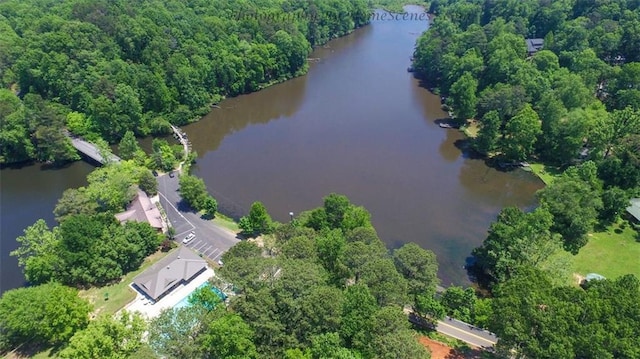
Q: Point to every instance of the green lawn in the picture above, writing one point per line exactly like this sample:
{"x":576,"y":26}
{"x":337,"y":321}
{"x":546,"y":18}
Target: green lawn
{"x":226,"y":222}
{"x":471,"y":129}
{"x":546,"y":173}
{"x":610,"y":254}
{"x":119,"y":294}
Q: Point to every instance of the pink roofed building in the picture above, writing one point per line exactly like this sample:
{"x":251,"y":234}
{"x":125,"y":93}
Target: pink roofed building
{"x":141,"y":209}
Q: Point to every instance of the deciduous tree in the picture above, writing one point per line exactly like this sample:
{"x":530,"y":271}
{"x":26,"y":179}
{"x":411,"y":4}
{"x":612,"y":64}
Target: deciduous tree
{"x":46,"y":314}
{"x":107,"y":337}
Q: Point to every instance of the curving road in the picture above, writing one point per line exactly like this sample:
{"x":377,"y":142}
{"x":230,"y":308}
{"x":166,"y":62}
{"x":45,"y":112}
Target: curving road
{"x":211,"y":239}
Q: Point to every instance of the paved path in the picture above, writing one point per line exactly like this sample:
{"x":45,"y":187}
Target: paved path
{"x":211,"y":239}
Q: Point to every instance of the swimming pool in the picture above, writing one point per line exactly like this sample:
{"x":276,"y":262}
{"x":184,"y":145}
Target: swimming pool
{"x":184,"y":302}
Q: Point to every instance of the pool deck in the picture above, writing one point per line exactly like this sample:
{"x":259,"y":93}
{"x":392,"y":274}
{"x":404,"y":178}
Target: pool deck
{"x":151,"y":310}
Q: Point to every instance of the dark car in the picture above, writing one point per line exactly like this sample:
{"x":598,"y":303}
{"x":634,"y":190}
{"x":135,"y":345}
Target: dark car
{"x":154,"y":173}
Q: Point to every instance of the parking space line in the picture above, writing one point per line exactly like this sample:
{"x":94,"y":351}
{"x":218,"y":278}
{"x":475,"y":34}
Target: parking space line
{"x":204,"y":252}
{"x":184,"y":232}
{"x":200,"y":247}
{"x":212,"y":252}
{"x":217,"y":255}
{"x":194,"y":244}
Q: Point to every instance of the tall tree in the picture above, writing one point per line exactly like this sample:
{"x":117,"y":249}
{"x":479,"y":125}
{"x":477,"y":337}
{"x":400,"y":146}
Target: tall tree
{"x":74,"y":201}
{"x":520,"y":134}
{"x":257,"y":222}
{"x":489,"y":134}
{"x":128,"y":146}
{"x":193,"y":191}
{"x":46,"y":314}
{"x":608,"y":132}
{"x":574,"y":203}
{"x":38,"y":253}
{"x":419,"y":267}
{"x":516,"y":239}
{"x":107,"y":337}
{"x":228,"y":337}
{"x":174,"y":333}
{"x":463,"y":96}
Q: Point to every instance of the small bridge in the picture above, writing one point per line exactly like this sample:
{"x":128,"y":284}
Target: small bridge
{"x":91,"y":151}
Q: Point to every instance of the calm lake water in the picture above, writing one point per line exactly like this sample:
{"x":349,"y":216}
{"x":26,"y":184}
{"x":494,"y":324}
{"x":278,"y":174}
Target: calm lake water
{"x":358,"y":124}
{"x":27,"y":194}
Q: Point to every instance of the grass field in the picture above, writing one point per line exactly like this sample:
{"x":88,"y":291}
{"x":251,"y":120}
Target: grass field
{"x":118,"y":294}
{"x":546,"y":173}
{"x":226,"y":222}
{"x":471,"y":129}
{"x":612,"y":253}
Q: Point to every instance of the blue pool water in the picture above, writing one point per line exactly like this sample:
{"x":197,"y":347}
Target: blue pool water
{"x":184,"y":302}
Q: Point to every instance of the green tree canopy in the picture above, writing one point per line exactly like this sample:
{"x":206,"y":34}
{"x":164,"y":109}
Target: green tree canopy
{"x":107,"y":337}
{"x":257,"y":222}
{"x":45,"y":314}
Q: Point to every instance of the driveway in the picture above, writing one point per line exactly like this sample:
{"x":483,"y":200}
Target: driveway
{"x":211,"y":239}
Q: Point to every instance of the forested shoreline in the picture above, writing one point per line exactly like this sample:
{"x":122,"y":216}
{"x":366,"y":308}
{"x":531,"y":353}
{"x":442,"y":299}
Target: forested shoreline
{"x":101,"y":68}
{"x":573,"y":105}
{"x":323,"y":285}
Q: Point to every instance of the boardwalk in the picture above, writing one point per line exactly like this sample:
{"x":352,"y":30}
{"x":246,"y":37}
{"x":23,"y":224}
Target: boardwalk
{"x":90,"y":150}
{"x":182,"y":138}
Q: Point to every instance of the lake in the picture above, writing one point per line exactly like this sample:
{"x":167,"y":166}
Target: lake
{"x":357,"y":124}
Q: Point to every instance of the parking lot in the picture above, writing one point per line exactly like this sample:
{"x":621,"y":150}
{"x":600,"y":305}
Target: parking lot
{"x":204,"y":248}
{"x":211,"y":241}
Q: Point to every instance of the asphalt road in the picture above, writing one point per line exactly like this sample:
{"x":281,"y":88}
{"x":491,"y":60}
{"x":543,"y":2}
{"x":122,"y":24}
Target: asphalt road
{"x":211,"y":240}
{"x":467,"y":333}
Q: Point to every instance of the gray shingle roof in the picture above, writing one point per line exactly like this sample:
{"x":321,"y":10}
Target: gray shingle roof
{"x":176,"y":268}
{"x":634,"y":208}
{"x":534,"y":45}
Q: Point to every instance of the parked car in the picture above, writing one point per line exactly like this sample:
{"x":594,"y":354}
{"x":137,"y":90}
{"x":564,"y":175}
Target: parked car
{"x":155,"y":173}
{"x":191,"y":236}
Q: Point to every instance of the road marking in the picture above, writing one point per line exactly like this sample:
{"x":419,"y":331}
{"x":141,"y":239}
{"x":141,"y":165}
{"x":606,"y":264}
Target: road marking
{"x":184,"y":232}
{"x":215,"y":250}
{"x":175,"y":209}
{"x":217,"y":255}
{"x":200,"y":246}
{"x":465,"y":332}
{"x":207,"y":250}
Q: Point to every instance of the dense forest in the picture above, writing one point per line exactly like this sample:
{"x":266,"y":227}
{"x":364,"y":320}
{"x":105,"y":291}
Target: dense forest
{"x":578,"y":97}
{"x":321,"y":286}
{"x":101,"y":68}
{"x":574,"y":105}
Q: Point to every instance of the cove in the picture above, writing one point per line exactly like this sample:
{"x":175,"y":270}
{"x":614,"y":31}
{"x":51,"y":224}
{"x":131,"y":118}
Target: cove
{"x":358,"y":124}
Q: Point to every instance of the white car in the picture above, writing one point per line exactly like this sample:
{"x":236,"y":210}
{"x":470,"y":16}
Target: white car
{"x":189,"y":238}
